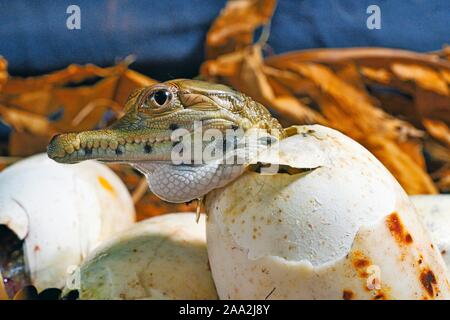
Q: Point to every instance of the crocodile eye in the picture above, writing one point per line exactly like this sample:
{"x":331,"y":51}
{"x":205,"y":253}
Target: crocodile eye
{"x":160,"y":98}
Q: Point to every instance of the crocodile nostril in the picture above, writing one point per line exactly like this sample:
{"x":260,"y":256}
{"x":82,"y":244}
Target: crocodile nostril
{"x":53,"y":149}
{"x":54,"y":138}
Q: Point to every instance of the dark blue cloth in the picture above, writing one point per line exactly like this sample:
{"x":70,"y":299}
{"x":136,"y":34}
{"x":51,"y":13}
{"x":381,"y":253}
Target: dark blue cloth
{"x":167,"y":36}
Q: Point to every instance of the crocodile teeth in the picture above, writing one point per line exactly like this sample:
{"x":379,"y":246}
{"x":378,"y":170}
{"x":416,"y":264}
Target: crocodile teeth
{"x":76,"y":144}
{"x":69,"y":149}
{"x":113,"y":144}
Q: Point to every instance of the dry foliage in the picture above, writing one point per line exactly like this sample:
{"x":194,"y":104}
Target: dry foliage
{"x":74,"y":99}
{"x":394,"y":102}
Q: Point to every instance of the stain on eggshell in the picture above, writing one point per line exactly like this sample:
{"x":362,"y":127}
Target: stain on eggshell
{"x":106,"y":185}
{"x":428,"y":280}
{"x":397,"y":229}
{"x":347,"y":295}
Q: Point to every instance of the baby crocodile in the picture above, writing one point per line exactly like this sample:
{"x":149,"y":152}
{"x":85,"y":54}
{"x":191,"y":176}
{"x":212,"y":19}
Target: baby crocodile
{"x":158,"y":118}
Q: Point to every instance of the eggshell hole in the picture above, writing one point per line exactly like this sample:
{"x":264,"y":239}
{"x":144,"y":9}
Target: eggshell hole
{"x":15,"y":276}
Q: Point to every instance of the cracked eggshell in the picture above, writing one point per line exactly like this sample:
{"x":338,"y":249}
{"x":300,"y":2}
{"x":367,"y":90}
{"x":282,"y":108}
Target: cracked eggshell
{"x":341,"y":229}
{"x":435,"y":213}
{"x":61,"y":212}
{"x":159,"y":258}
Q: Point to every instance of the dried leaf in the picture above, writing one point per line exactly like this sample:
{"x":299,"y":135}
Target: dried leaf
{"x":245,"y":71}
{"x":26,"y":121}
{"x":233,"y":29}
{"x":355,"y":104}
{"x":408,"y":173}
{"x":429,"y":104}
{"x":71,"y":75}
{"x":439,"y":130}
{"x":23,"y":144}
{"x":73,"y":101}
{"x":28,"y":104}
{"x":438,"y":153}
{"x":380,"y":75}
{"x":367,"y":57}
{"x":3,"y":72}
{"x":423,"y":76}
{"x":442,"y":178}
{"x":328,"y":86}
{"x":129,"y":81}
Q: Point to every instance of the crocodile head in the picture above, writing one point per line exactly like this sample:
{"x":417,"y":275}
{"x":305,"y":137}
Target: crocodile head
{"x":156,"y":119}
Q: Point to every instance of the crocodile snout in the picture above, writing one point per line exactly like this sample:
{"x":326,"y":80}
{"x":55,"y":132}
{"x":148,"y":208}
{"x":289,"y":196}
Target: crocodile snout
{"x":62,"y":145}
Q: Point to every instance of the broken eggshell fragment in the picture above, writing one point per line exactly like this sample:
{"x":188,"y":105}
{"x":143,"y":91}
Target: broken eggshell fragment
{"x":435,"y":213}
{"x":159,"y":258}
{"x":338,"y":226}
{"x":58,"y":213}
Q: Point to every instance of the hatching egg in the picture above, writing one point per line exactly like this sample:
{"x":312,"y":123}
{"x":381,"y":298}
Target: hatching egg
{"x":52,"y":215}
{"x":330,"y":223}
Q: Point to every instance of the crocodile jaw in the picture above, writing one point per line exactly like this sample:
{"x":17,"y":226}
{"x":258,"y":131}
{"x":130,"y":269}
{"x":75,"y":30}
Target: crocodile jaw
{"x":110,"y":145}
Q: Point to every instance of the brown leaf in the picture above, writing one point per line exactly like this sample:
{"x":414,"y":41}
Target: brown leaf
{"x":429,"y":104}
{"x":233,"y":29}
{"x":72,"y":74}
{"x":74,"y":100}
{"x":442,"y":178}
{"x":351,"y":111}
{"x":439,"y":130}
{"x":380,"y":75}
{"x":26,"y":121}
{"x":423,"y":76}
{"x":23,"y":144}
{"x":355,"y":103}
{"x":368,"y":57}
{"x":408,"y":173}
{"x":3,"y":72}
{"x":129,"y":81}
{"x":27,"y":103}
{"x":245,"y":71}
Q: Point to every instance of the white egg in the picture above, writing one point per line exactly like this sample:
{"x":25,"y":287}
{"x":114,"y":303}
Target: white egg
{"x":339,"y":226}
{"x":159,"y":258}
{"x":435,"y":213}
{"x":62,"y":212}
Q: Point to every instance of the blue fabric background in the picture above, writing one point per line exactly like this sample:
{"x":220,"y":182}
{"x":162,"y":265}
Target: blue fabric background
{"x":167,"y":36}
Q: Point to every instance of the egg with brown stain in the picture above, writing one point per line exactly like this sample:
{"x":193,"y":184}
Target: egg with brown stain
{"x":330,"y":223}
{"x":53,"y":215}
